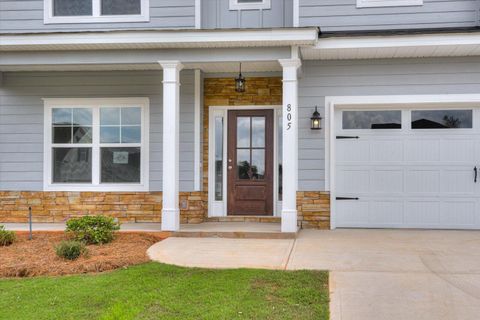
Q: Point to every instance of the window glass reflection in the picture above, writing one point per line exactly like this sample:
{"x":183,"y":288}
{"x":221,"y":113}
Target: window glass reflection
{"x":441,"y":119}
{"x":372,"y":119}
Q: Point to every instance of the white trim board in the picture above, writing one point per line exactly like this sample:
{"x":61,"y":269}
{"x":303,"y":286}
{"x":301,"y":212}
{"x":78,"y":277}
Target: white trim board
{"x":197,"y":169}
{"x":219,"y":208}
{"x":399,"y":101}
{"x":259,"y":5}
{"x":95,"y":104}
{"x":150,"y":39}
{"x":96,"y":17}
{"x":387,"y":3}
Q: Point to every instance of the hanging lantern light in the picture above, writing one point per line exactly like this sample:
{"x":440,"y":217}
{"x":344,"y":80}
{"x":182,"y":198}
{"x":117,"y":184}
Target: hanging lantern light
{"x":316,"y":120}
{"x":240,"y":82}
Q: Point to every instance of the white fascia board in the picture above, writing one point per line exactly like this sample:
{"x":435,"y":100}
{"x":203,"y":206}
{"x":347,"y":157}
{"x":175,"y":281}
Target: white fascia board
{"x":158,"y":39}
{"x":394,"y":41}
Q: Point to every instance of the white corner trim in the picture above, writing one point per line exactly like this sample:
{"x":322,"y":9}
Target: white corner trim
{"x":198,"y":14}
{"x":296,"y":13}
{"x":197,"y":130}
{"x":96,"y":17}
{"x":261,"y":4}
{"x":387,"y":3}
{"x":361,"y":101}
{"x":95,"y":104}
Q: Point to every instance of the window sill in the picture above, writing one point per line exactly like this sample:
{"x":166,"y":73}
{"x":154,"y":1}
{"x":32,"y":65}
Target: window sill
{"x":387,"y":3}
{"x":97,"y":188}
{"x":103,"y":19}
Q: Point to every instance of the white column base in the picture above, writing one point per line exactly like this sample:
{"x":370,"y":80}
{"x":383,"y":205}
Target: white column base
{"x":289,"y":221}
{"x":170,"y":219}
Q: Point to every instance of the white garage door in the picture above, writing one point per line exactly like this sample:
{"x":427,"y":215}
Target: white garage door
{"x":407,"y":168}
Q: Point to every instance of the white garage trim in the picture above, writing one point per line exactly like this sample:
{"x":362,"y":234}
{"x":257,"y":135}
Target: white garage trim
{"x":400,"y":101}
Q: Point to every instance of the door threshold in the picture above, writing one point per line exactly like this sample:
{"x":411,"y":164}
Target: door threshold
{"x":265,"y":219}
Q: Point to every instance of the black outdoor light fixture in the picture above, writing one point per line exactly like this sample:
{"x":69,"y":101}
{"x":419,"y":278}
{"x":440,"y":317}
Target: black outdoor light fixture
{"x":240,"y":82}
{"x":316,"y":120}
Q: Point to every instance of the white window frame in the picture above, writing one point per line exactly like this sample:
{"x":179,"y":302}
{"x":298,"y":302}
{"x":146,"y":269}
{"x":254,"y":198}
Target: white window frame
{"x":49,"y":18}
{"x":96,"y":104}
{"x":263,"y":4}
{"x":387,"y":3}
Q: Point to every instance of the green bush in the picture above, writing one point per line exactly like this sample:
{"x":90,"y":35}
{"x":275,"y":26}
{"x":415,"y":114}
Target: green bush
{"x":93,"y":229}
{"x":7,"y":237}
{"x":70,"y":249}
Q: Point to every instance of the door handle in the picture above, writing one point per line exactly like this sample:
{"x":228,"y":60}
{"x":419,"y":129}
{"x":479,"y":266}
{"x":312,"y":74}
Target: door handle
{"x":475,"y":170}
{"x":229,"y":167}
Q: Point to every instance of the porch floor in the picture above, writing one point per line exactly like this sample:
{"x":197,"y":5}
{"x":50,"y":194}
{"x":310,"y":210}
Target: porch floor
{"x":257,"y":230}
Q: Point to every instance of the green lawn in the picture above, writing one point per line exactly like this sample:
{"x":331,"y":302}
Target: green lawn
{"x":158,"y":291}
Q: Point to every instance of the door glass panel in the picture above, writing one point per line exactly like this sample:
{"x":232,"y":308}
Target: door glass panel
{"x":219,"y":159}
{"x":441,"y":119}
{"x":372,"y":119}
{"x":258,"y":164}
{"x":258,"y":132}
{"x":243,"y":164}
{"x":243,"y":132}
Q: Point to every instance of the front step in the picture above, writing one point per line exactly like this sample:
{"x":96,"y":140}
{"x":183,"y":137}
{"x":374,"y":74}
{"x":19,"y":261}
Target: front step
{"x":260,"y":219}
{"x":235,"y":234}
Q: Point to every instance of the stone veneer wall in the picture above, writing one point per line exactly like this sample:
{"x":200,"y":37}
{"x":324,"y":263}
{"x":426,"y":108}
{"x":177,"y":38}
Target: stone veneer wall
{"x":126,"y":206}
{"x":313,"y":209}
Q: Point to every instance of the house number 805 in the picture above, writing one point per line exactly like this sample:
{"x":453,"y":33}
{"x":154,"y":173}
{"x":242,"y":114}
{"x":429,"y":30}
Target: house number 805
{"x":289,"y":116}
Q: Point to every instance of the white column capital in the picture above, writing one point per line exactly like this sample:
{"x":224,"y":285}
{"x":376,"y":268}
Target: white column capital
{"x":171,"y":64}
{"x":290,"y":63}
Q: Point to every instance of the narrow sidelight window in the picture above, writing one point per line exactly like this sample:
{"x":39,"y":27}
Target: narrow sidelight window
{"x":218,"y":158}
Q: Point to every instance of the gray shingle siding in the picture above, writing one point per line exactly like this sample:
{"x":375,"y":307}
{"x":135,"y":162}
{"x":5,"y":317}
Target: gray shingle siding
{"x":370,"y":77}
{"x":27,"y":16}
{"x":21,"y":119}
{"x":217,"y":14}
{"x":343,"y":15}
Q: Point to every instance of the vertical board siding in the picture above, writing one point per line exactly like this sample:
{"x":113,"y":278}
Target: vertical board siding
{"x":343,"y":15}
{"x":370,"y":77}
{"x":21,"y":119}
{"x":27,"y":16}
{"x":216,"y":14}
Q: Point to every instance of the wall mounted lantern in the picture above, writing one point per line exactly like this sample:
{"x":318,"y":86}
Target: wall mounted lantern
{"x":316,"y":120}
{"x":240,"y":82}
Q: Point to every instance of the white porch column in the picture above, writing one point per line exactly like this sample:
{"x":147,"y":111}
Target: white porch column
{"x":290,"y":144}
{"x":171,"y":124}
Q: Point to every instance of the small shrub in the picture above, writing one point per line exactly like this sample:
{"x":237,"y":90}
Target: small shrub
{"x":7,"y":237}
{"x":93,"y":229}
{"x":70,"y":249}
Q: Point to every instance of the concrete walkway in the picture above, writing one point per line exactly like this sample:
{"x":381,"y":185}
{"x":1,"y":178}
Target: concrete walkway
{"x":375,"y":274}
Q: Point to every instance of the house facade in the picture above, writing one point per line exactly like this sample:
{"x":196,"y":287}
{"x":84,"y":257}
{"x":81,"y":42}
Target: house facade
{"x":136,"y":109}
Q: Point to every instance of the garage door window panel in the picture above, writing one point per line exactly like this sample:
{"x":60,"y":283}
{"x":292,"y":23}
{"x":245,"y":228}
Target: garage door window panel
{"x":442,"y":119}
{"x":377,"y":119}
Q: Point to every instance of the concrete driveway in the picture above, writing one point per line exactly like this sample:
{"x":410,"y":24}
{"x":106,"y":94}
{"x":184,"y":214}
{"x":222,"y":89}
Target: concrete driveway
{"x":396,"y":274}
{"x":375,"y":274}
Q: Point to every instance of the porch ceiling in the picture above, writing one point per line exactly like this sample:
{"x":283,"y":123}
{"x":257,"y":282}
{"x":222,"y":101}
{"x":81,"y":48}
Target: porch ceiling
{"x":219,"y":67}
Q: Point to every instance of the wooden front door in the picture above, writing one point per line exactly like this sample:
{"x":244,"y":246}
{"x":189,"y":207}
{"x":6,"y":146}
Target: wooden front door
{"x":250,"y":162}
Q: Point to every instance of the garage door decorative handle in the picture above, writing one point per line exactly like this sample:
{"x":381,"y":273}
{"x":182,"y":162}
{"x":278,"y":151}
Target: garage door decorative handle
{"x":346,"y":198}
{"x":348,"y":137}
{"x":475,"y":170}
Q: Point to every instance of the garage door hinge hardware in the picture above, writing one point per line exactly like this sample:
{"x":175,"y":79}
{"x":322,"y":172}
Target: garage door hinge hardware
{"x":346,"y":198}
{"x":348,"y":137}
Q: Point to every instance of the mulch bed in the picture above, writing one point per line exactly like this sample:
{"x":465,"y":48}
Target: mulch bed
{"x":37,"y":257}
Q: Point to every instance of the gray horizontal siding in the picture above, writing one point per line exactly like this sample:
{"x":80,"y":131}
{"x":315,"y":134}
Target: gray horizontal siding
{"x":343,"y":15}
{"x":370,"y":77}
{"x":21,"y":119}
{"x":27,"y":16}
{"x":216,"y":14}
